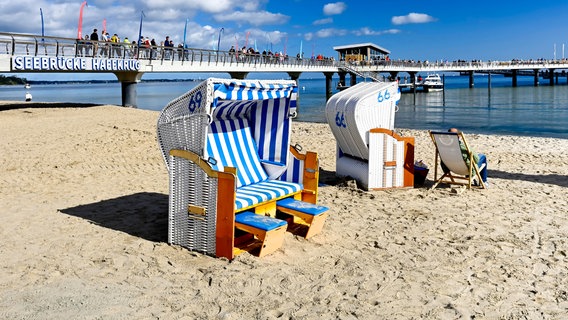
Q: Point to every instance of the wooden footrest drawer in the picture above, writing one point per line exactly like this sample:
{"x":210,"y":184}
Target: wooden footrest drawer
{"x":290,"y":204}
{"x":312,"y":214}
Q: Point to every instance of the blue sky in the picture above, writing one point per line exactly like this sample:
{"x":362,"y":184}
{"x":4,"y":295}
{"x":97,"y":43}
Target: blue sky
{"x":418,"y":30}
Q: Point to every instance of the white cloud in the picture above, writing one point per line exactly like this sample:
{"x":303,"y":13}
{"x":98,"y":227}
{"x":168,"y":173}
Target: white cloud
{"x":334,"y":8}
{"x":391,"y":31}
{"x":365,"y":31}
{"x":255,"y":18}
{"x":323,"y":21}
{"x":330,"y":32}
{"x":412,"y":18}
{"x":205,"y":6}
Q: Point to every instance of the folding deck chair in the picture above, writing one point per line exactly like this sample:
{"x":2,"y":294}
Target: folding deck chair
{"x":449,"y":152}
{"x":361,"y":119}
{"x":226,"y":144}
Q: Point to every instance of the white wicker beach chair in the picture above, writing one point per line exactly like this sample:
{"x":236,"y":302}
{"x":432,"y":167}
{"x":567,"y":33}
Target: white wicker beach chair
{"x":226,"y":144}
{"x":449,"y":152}
{"x":361,"y":119}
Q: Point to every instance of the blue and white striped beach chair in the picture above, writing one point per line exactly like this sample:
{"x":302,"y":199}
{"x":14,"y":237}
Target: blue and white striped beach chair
{"x":226,"y":144}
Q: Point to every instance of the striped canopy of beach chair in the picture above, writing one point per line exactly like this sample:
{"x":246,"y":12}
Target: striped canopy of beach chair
{"x":266,"y":107}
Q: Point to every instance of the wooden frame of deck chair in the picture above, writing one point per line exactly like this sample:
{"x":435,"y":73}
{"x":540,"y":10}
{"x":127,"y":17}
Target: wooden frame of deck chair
{"x":361,"y":119}
{"x":226,"y":144}
{"x":449,"y":152}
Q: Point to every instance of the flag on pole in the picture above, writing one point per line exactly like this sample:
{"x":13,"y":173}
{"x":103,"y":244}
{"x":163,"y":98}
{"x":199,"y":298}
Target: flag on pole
{"x":140,"y":29}
{"x":80,"y":28}
{"x":42,"y":29}
{"x":236,"y":46}
{"x":247,"y":40}
{"x":219,"y":39}
{"x":185,"y":32}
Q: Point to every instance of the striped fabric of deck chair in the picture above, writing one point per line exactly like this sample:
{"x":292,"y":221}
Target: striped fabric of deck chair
{"x":449,"y":152}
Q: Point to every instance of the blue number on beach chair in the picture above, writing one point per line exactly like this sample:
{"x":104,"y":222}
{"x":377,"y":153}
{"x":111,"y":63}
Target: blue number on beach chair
{"x":195,"y":101}
{"x":340,"y":121}
{"x":381,"y":97}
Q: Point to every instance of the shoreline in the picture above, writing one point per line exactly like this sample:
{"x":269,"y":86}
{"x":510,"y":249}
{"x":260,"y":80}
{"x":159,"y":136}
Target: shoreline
{"x":84,"y":196}
{"x":14,"y":104}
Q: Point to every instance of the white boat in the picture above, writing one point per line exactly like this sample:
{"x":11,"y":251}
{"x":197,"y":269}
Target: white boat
{"x":432,"y":83}
{"x":27,"y":86}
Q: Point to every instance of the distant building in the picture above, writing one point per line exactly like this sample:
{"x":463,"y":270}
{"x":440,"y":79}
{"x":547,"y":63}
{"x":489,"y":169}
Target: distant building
{"x":361,"y":52}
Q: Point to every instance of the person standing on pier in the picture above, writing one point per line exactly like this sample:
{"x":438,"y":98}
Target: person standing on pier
{"x":115,"y":46}
{"x":168,"y":44}
{"x":95,"y":39}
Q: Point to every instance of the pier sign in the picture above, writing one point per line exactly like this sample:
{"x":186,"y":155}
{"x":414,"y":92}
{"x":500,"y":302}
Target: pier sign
{"x":45,"y":63}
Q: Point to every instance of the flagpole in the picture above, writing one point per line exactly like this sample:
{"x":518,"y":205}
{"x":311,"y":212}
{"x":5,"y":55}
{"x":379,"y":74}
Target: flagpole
{"x":236,"y":46}
{"x":42,"y":28}
{"x":80,"y":28}
{"x":219,"y":39}
{"x":140,"y":31}
{"x":313,"y":50}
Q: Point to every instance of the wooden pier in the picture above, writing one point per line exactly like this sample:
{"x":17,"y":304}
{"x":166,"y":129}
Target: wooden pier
{"x":24,"y":53}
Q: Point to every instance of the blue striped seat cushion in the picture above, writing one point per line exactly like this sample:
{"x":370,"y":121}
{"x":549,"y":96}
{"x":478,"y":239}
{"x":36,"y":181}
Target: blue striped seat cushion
{"x":260,"y":222}
{"x":254,"y":194}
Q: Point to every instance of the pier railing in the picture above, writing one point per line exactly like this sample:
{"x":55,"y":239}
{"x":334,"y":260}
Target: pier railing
{"x":24,"y":44}
{"x":37,"y":45}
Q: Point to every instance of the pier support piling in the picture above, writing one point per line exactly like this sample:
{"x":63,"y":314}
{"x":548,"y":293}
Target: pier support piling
{"x":128,"y":82}
{"x":328,"y":88}
{"x":514,"y":77}
{"x":535,"y":77}
{"x":296,"y":77}
{"x":413,"y":77}
{"x":471,"y":83}
{"x":353,"y":78}
{"x":342,"y":78}
{"x":129,"y":94}
{"x":393,"y":75}
{"x":238,"y":75}
{"x":551,"y":74}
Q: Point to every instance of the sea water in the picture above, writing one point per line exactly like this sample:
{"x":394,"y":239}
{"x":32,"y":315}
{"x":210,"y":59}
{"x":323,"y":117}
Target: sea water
{"x":496,"y":109}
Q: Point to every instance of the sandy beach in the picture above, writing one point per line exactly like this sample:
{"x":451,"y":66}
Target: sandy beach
{"x":84,"y":194}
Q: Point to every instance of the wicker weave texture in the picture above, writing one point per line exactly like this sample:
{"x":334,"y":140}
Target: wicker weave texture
{"x":190,"y":185}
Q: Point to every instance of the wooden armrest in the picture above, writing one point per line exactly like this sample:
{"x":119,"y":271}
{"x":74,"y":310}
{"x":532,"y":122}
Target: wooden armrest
{"x":195,"y":158}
